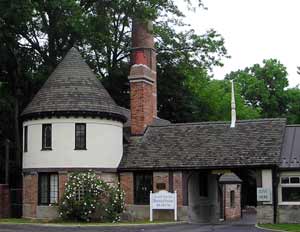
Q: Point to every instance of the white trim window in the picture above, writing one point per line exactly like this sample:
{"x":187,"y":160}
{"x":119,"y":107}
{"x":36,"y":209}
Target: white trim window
{"x":290,"y":189}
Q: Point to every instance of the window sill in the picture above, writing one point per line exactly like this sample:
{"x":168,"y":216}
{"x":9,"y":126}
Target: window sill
{"x":46,"y":149}
{"x":289,"y":203}
{"x":48,"y":205}
{"x":80,"y":149}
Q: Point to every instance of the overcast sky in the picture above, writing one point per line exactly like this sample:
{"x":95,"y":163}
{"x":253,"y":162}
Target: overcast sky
{"x":253,"y":30}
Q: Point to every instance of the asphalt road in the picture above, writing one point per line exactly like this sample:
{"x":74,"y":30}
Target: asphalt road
{"x":147,"y":228}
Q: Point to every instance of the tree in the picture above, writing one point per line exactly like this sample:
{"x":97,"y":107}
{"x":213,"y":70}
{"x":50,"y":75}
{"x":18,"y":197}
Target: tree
{"x":263,"y":86}
{"x":293,"y":106}
{"x":215,"y":98}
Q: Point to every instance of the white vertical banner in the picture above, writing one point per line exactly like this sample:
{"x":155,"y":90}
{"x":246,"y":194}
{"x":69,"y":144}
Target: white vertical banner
{"x":163,"y":200}
{"x":151,"y":210}
{"x":175,"y":207}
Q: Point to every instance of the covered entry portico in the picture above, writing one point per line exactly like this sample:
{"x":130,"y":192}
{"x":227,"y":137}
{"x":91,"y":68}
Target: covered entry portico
{"x":214,"y":196}
{"x":229,"y":195}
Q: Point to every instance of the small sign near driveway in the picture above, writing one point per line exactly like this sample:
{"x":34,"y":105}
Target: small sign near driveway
{"x":163,"y":200}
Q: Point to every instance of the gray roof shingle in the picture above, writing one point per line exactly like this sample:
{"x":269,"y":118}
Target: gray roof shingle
{"x":206,"y":145}
{"x":229,"y":178}
{"x":73,"y":88}
{"x":290,"y":155}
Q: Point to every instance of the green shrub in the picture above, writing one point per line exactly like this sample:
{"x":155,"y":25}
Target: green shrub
{"x":85,"y":194}
{"x":115,"y":204}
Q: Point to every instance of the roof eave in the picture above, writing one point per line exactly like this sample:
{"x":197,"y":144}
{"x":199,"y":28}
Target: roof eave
{"x":93,"y":114}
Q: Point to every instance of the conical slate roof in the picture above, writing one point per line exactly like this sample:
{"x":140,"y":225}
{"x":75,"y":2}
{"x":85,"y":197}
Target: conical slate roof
{"x":73,"y":89}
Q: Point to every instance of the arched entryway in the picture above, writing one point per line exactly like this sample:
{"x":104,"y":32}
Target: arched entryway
{"x":203,"y":197}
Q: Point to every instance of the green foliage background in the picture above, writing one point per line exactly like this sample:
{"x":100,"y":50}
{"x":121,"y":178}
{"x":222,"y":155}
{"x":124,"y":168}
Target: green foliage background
{"x":36,"y":34}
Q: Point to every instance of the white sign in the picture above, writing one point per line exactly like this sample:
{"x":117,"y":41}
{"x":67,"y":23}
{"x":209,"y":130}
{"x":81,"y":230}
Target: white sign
{"x":264,"y":194}
{"x":163,"y":200}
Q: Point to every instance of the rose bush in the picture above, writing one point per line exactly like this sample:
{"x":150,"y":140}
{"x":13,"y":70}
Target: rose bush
{"x":85,"y":194}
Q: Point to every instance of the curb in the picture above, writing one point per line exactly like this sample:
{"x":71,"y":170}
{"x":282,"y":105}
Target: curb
{"x":268,"y":229}
{"x":93,"y":225}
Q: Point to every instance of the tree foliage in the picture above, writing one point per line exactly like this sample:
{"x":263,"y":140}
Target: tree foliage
{"x":264,"y":87}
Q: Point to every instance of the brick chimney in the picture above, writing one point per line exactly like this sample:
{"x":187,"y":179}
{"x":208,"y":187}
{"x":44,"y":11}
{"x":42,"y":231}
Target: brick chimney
{"x":142,"y":78}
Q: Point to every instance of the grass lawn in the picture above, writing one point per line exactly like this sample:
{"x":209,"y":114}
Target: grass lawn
{"x":66,"y":223}
{"x":284,"y":227}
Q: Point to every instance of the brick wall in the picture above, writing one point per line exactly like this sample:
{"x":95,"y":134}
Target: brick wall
{"x":4,"y":201}
{"x":178,"y":187}
{"x":62,"y":180}
{"x":30,"y":194}
{"x":126,"y":182}
{"x":232,"y":212}
{"x":160,"y":179}
{"x":140,"y":106}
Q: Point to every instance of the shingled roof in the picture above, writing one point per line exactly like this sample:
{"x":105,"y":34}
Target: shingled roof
{"x":206,"y":145}
{"x":290,"y":155}
{"x":73,"y":89}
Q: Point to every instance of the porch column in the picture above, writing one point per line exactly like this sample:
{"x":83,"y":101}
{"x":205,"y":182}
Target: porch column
{"x":265,"y":209}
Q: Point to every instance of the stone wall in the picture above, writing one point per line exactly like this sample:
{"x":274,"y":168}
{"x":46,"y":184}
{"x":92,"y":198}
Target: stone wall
{"x":288,"y":214}
{"x":142,"y":212}
{"x":265,"y":214}
{"x":4,"y":201}
{"x":232,"y":211}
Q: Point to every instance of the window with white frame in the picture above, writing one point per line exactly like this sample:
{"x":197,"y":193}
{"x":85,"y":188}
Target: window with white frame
{"x":48,"y":188}
{"x":290,"y":188}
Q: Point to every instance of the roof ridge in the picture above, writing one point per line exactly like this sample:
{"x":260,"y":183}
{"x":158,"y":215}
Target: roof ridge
{"x":221,"y":122}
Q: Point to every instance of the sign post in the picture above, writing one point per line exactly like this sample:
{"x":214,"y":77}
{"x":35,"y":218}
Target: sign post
{"x":163,"y":200}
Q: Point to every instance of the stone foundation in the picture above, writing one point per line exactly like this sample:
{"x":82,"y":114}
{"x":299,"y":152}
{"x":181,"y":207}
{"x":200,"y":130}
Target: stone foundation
{"x":46,"y":212}
{"x":4,"y":201}
{"x":265,"y":214}
{"x":142,"y":212}
{"x":288,"y":213}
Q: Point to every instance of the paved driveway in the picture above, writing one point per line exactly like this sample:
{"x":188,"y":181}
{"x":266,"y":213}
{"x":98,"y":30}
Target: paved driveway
{"x":147,"y":228}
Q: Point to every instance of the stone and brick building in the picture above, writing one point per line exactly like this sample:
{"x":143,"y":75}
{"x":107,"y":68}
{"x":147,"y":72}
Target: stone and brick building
{"x":72,"y":124}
